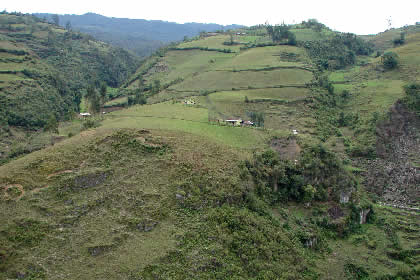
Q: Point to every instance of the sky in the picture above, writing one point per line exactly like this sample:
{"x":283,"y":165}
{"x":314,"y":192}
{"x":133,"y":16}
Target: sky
{"x":355,"y":16}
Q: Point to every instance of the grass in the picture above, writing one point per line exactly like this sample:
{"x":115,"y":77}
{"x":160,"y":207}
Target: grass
{"x":98,"y":227}
{"x":89,"y":198}
{"x":279,"y":94}
{"x":240,"y":80}
{"x":257,"y":58}
{"x":178,"y":117}
{"x":11,"y":77}
{"x":375,"y":95}
{"x":184,"y":64}
{"x":213,"y":42}
{"x":117,"y":101}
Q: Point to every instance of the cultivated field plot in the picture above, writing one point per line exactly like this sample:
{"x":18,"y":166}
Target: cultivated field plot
{"x":213,"y":42}
{"x":223,"y":80}
{"x":373,"y":95}
{"x":167,"y":110}
{"x":179,"y":117}
{"x":184,"y":64}
{"x":283,"y":108}
{"x":275,"y":94}
{"x":264,"y":57}
{"x":308,"y":34}
{"x":409,"y":57}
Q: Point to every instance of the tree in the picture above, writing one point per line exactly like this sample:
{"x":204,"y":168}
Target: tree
{"x":412,"y":98}
{"x":390,"y":60}
{"x":292,"y":39}
{"x":257,"y":118}
{"x":401,"y":40}
{"x":103,"y":91}
{"x":280,"y":32}
{"x":68,"y":25}
{"x":141,"y":82}
{"x":94,"y":99}
{"x":51,"y":37}
{"x":156,"y":86}
{"x":56,"y":19}
{"x":51,"y":124}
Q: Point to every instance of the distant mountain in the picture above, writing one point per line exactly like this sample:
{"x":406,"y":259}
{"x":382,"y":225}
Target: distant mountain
{"x":139,"y":35}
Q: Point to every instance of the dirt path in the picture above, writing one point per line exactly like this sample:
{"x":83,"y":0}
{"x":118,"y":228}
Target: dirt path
{"x":58,"y":173}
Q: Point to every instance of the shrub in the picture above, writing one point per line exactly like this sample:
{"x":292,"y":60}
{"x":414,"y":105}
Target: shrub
{"x":412,"y":97}
{"x":90,"y":123}
{"x":390,"y":60}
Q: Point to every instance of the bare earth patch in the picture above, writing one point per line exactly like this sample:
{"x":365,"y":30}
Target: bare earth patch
{"x":10,"y":188}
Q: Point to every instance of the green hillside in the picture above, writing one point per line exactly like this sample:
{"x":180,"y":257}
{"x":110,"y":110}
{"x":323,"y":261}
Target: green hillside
{"x":44,"y":71}
{"x":322,"y":185}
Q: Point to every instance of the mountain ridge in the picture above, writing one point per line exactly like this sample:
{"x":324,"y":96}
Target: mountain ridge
{"x":139,"y":35}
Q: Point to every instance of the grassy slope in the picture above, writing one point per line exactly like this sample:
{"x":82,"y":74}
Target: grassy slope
{"x":101,"y":212}
{"x":92,"y":224}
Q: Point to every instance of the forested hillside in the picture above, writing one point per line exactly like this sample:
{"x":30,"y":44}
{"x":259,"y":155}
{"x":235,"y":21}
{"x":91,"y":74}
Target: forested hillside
{"x":45,"y":69}
{"x":141,"y":36}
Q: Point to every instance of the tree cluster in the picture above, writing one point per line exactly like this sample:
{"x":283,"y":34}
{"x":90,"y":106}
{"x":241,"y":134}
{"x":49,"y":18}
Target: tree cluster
{"x":281,"y":32}
{"x":257,"y":118}
{"x":337,"y":52}
{"x":317,"y":171}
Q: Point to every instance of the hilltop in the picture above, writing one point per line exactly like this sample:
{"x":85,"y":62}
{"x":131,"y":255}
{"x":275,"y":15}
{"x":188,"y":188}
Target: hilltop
{"x":141,"y":36}
{"x":319,"y":181}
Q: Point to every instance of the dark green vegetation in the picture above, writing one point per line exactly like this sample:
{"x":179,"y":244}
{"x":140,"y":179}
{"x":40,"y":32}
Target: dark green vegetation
{"x":44,"y":72}
{"x":143,"y":37}
{"x":324,"y":185}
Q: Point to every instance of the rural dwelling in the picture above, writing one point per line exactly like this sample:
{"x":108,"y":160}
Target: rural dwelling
{"x":237,"y":122}
{"x":85,"y":115}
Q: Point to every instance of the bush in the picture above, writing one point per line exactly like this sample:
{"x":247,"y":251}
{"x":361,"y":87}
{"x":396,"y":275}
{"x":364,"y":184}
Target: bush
{"x":90,"y":123}
{"x":412,"y":97}
{"x":390,"y":60}
{"x":401,"y":40}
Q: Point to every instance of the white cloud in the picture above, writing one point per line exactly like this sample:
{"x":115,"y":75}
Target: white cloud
{"x":361,"y":17}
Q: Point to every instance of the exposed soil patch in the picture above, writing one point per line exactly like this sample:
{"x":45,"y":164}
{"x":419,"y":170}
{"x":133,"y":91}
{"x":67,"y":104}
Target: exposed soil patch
{"x":287,"y":148}
{"x":89,"y":180}
{"x":14,"y":192}
{"x":335,"y":212}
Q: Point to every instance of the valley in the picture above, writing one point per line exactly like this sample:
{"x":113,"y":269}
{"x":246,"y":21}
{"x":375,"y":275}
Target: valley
{"x":319,"y":181}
